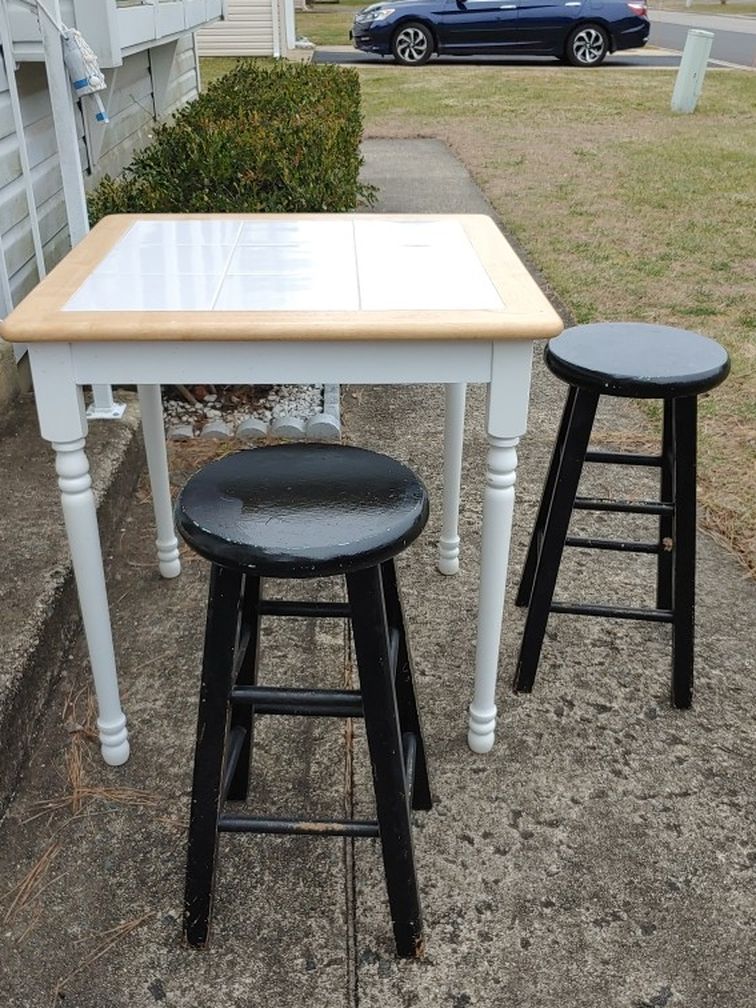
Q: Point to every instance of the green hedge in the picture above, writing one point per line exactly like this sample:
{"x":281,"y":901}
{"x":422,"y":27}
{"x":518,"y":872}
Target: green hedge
{"x":266,"y":137}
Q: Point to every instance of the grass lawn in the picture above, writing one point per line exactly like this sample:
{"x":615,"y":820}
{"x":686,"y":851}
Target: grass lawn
{"x":212,"y":67}
{"x":628,"y":211}
{"x":328,"y":24}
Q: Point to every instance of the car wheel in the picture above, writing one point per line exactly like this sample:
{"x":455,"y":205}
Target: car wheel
{"x":412,"y":45}
{"x":587,"y":46}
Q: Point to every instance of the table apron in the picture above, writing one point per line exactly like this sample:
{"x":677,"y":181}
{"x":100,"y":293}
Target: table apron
{"x":269,"y":362}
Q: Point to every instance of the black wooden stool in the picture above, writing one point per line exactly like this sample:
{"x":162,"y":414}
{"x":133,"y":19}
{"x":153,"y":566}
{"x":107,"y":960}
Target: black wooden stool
{"x":304,"y":511}
{"x":639,"y":361}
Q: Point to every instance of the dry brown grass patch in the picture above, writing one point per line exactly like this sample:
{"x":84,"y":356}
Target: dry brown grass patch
{"x":626,"y":210}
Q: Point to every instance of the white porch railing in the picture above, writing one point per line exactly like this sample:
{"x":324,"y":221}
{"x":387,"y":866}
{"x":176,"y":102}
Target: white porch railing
{"x":113,"y":28}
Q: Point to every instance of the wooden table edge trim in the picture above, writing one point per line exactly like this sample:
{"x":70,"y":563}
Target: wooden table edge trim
{"x":233,"y":327}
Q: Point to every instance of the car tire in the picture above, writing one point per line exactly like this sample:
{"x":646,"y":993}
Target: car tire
{"x":587,"y":46}
{"x":412,"y":45}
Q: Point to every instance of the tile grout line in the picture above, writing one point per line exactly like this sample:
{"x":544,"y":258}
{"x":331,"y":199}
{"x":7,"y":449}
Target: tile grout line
{"x":227,"y":267}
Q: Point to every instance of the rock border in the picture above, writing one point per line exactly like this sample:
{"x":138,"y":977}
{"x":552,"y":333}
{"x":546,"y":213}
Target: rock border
{"x":322,"y":426}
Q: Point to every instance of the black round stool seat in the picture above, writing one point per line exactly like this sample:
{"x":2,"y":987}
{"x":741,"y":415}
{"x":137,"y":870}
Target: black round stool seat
{"x":637,"y":359}
{"x":302,"y":510}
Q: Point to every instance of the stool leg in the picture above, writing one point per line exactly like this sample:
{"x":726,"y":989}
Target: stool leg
{"x":217,"y":670}
{"x":666,"y":522}
{"x":554,"y":533}
{"x":385,"y":744}
{"x":242,"y":715}
{"x":528,"y":572}
{"x":684,"y":556}
{"x":409,"y":715}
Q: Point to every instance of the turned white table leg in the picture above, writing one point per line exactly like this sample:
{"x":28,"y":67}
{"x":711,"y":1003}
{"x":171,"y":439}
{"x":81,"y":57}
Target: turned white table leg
{"x":507,"y":416}
{"x":80,"y":516}
{"x":498,"y":506}
{"x":151,"y":409}
{"x":454,"y":433}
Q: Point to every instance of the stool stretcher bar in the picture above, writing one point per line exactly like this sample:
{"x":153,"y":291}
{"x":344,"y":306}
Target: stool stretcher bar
{"x":299,"y":827}
{"x":617,"y":612}
{"x":622,"y":507}
{"x":277,"y":700}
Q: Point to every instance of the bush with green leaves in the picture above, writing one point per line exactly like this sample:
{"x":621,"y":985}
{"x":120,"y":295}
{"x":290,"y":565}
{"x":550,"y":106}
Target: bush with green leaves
{"x":267,"y":137}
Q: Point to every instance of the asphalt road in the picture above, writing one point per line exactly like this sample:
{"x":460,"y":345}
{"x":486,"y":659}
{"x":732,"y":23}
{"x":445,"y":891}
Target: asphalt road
{"x":626,"y":59}
{"x":734,"y":37}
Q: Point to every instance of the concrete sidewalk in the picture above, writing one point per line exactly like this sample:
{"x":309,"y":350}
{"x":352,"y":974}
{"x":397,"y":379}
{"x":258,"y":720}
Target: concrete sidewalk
{"x":601,"y":856}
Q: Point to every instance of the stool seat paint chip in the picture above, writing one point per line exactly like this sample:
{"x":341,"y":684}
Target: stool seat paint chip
{"x":307,"y":510}
{"x":637,"y":360}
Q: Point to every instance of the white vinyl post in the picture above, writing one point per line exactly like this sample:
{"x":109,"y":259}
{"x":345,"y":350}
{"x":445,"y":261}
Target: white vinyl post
{"x":689,"y":81}
{"x":67,"y":139}
{"x":289,"y":23}
{"x":64,"y":121}
{"x":275,"y":16}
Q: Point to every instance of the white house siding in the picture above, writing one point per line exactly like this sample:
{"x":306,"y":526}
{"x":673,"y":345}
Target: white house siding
{"x":131,"y":107}
{"x":247,"y":31}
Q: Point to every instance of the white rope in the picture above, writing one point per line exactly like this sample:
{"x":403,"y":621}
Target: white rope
{"x":81,"y":63}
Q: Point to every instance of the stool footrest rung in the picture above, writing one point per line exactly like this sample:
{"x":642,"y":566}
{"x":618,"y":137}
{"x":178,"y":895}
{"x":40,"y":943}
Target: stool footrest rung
{"x":314,"y":702}
{"x":622,"y":507}
{"x":282,"y":607}
{"x":299,"y":827}
{"x":620,"y":545}
{"x":616,"y":612}
{"x":624,"y":458}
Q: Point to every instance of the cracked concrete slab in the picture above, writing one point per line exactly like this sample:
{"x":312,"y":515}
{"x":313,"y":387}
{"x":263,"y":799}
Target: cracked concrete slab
{"x":601,"y":856}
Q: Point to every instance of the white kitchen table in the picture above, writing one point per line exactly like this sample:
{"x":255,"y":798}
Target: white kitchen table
{"x":284,"y":298}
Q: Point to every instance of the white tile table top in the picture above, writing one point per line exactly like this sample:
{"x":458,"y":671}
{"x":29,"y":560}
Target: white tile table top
{"x":280,"y":265}
{"x":333,"y":277}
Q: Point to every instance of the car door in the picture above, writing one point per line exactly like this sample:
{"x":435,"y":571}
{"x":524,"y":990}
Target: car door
{"x":477,"y":25}
{"x":545,"y":24}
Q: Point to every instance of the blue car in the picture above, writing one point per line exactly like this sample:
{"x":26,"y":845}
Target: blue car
{"x":581,"y":32}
